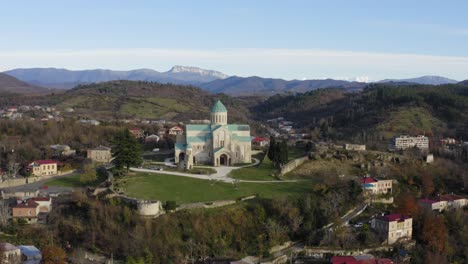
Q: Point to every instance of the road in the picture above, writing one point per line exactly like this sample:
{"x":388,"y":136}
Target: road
{"x":37,"y":185}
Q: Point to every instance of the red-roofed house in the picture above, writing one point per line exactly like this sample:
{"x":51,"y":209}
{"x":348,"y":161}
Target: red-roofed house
{"x":375,"y":186}
{"x":27,"y":211}
{"x":444,"y":202}
{"x":393,"y":227}
{"x":359,"y":260}
{"x":137,"y":132}
{"x":44,"y":167}
{"x":177,"y":130}
{"x":260,"y":141}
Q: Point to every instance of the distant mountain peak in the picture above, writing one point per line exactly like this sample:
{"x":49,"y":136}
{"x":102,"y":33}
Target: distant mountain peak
{"x":427,"y":79}
{"x":196,"y":70}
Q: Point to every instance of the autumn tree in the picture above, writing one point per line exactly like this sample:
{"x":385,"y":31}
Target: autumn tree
{"x":427,"y":184}
{"x":54,"y":255}
{"x":435,"y":233}
{"x":407,"y":205}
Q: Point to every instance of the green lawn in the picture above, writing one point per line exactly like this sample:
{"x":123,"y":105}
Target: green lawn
{"x":263,"y":172}
{"x":68,"y":181}
{"x":294,"y":153}
{"x":187,"y":190}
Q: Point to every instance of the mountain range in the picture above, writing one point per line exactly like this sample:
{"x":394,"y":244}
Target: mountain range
{"x":432,"y":80}
{"x":209,"y":80}
{"x":66,"y":79}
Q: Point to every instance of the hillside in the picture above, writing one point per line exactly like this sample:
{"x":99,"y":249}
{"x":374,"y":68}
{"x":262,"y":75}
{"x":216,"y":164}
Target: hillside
{"x":237,"y":86}
{"x":66,"y":79}
{"x":376,"y":114}
{"x":11,"y":85}
{"x":146,"y":100}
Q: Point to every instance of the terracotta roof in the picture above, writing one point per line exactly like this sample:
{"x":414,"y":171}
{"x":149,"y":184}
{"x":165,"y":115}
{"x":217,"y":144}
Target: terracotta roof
{"x":28,"y":204}
{"x":427,"y":201}
{"x":44,"y":162}
{"x":40,"y":199}
{"x":393,"y":217}
{"x":7,"y":247}
{"x":356,"y":260}
{"x":260,"y":139}
{"x":368,"y":180}
{"x":177,"y":128}
{"x":450,"y":197}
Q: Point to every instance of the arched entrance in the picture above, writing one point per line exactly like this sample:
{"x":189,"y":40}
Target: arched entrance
{"x":224,"y":160}
{"x":181,"y":157}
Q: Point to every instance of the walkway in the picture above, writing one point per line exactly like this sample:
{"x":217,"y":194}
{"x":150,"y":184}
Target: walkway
{"x":38,"y":184}
{"x":220,"y":175}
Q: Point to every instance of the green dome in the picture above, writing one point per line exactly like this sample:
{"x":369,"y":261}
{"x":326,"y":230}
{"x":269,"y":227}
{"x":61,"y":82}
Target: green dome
{"x":218,"y":107}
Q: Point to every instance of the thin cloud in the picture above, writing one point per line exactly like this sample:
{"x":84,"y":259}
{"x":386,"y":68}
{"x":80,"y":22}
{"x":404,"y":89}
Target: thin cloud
{"x":279,"y":63}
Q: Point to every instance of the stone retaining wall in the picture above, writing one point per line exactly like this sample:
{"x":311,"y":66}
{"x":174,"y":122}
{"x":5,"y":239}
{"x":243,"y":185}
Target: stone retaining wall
{"x":293,"y":164}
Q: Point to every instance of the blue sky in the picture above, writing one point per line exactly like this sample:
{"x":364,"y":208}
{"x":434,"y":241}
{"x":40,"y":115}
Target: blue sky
{"x":283,"y":39}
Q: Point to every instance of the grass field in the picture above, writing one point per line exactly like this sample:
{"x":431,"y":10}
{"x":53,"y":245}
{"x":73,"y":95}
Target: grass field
{"x":409,"y":120}
{"x":187,"y":190}
{"x":264,"y":172}
{"x":68,"y":181}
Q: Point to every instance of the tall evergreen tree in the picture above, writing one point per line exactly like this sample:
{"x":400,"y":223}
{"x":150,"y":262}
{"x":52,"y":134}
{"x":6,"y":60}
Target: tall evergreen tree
{"x":271,"y":148}
{"x":126,"y":151}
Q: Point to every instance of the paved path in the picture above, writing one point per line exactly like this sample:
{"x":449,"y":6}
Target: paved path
{"x":222,"y":173}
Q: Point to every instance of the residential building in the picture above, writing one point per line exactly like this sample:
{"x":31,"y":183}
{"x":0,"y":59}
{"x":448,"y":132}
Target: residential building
{"x":10,"y":254}
{"x":374,"y":186}
{"x":363,"y":259}
{"x":176,"y":130}
{"x":219,"y":143}
{"x":100,"y":154}
{"x":44,"y":167}
{"x":63,"y":150}
{"x":393,"y":227}
{"x":28,"y":211}
{"x":152,"y":138}
{"x":30,"y":254}
{"x":355,"y":147}
{"x":45,"y":203}
{"x":444,"y":202}
{"x":137,"y":132}
{"x":260,"y":141}
{"x":405,"y":142}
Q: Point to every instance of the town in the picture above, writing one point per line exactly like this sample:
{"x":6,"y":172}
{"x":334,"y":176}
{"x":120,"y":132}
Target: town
{"x":33,"y":190}
{"x":233,"y":132}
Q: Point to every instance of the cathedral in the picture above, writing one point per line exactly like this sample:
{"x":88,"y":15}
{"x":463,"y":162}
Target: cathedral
{"x":217,"y":143}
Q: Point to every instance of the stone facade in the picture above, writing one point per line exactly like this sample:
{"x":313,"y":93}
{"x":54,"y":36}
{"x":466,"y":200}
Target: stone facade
{"x":218,"y":143}
{"x":393,"y":227}
{"x":43,"y":167}
{"x":100,"y":154}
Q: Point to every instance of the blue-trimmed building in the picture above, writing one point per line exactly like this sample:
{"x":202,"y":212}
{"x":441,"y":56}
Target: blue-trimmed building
{"x":218,"y":143}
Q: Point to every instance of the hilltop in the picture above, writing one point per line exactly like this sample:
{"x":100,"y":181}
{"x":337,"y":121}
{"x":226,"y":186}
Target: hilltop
{"x":377,"y":113}
{"x":146,"y":100}
{"x":11,"y":85}
{"x":237,"y":86}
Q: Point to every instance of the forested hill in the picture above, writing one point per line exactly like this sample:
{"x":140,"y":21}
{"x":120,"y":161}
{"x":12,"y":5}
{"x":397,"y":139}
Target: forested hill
{"x":146,"y":100}
{"x":377,"y":113}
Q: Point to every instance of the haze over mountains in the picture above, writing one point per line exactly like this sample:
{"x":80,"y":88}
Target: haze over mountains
{"x":66,"y":79}
{"x":209,"y":80}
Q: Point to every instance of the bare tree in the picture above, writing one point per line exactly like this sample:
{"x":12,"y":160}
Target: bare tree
{"x":12,"y":165}
{"x":3,"y":212}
